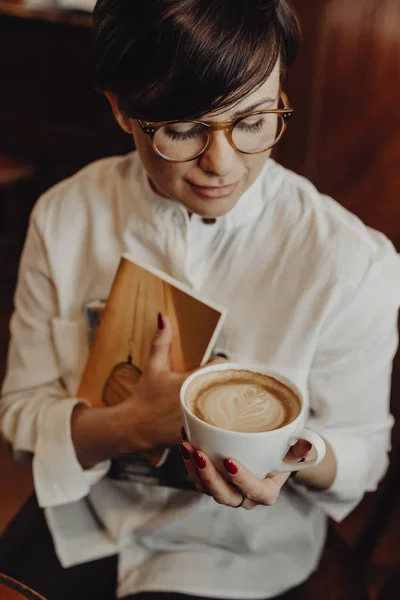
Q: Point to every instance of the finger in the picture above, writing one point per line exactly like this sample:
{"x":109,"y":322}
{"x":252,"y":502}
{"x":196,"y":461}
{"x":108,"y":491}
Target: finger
{"x":216,"y":485}
{"x":259,"y":491}
{"x":160,"y":345}
{"x":217,"y":358}
{"x":301,"y":450}
{"x":279,"y":478}
{"x":187,"y":451}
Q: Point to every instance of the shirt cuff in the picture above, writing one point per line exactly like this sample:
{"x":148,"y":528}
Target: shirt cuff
{"x":350,"y":482}
{"x":58,"y":476}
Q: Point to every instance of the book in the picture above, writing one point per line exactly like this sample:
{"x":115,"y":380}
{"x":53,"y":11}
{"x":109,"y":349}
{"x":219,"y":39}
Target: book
{"x":124,"y":328}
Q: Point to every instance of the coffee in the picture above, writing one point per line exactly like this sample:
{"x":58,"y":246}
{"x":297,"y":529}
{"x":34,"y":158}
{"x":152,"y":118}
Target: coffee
{"x":243,"y":401}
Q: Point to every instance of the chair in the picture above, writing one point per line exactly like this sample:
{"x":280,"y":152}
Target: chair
{"x":10,"y":589}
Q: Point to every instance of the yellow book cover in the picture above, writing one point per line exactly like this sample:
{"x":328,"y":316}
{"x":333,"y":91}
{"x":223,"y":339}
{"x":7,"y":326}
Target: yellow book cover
{"x":122,"y":343}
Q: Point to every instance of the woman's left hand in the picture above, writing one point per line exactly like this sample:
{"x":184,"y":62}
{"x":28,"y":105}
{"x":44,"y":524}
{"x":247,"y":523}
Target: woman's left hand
{"x":241,"y":488}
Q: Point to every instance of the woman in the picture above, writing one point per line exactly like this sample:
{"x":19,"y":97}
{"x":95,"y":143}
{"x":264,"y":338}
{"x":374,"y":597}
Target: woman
{"x":310,"y":290}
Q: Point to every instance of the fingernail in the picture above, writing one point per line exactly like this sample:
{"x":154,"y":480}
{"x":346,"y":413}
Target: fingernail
{"x":183,"y":434}
{"x":221,"y":354}
{"x":230,"y":466}
{"x":184,"y":451}
{"x":199,"y":460}
{"x":160,"y":321}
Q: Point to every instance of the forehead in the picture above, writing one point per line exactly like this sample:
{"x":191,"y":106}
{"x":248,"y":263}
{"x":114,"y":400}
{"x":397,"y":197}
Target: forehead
{"x":268,"y":90}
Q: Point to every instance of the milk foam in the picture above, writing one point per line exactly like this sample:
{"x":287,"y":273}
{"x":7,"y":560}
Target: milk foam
{"x":242,"y":401}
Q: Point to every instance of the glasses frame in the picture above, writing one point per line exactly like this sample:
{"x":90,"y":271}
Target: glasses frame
{"x":150,"y":128}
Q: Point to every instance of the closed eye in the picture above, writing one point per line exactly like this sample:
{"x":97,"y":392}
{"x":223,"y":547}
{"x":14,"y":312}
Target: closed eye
{"x":247,"y":127}
{"x":174,"y":135}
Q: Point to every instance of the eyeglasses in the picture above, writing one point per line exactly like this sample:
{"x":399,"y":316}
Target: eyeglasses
{"x":250,"y":133}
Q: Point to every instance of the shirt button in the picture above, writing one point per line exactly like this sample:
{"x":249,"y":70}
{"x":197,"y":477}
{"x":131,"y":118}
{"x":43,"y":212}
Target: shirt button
{"x":209,"y":221}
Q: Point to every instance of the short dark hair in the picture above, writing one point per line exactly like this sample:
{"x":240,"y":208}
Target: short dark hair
{"x":180,"y":59}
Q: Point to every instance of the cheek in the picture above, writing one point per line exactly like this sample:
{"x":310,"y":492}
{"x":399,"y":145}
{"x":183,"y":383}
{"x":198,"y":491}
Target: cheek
{"x":167,"y":173}
{"x":167,"y":176}
{"x":255,"y":163}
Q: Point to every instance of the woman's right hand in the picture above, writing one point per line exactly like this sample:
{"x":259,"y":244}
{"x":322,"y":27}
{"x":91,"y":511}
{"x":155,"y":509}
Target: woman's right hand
{"x":149,"y":418}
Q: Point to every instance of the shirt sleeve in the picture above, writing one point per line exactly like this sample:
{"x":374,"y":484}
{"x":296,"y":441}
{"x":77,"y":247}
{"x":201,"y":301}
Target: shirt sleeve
{"x":35,"y":410}
{"x":349,"y":384}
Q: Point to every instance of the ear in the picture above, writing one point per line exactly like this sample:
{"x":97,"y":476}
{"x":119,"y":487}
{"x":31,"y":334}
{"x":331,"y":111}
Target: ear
{"x":122,"y":120}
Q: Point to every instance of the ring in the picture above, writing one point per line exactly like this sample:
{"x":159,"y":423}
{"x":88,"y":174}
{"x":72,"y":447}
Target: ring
{"x":241,"y":502}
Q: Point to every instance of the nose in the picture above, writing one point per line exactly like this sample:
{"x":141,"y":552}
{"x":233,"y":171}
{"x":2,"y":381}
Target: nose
{"x":219,"y":158}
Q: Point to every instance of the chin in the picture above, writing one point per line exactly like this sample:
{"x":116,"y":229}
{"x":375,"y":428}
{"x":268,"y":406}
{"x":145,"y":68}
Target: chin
{"x":211,"y":208}
{"x":213,"y":211}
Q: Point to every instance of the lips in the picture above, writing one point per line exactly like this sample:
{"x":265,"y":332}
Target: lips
{"x":214,"y":192}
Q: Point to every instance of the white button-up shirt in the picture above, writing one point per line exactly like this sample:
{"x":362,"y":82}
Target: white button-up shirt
{"x":310,"y":290}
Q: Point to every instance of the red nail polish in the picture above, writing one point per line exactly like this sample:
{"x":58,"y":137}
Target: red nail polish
{"x":184,"y":451}
{"x":199,"y":460}
{"x":160,"y":321}
{"x":230,"y":466}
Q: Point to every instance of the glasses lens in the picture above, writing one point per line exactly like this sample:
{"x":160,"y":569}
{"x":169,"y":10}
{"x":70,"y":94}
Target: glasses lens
{"x":181,"y":141}
{"x":257,"y":132}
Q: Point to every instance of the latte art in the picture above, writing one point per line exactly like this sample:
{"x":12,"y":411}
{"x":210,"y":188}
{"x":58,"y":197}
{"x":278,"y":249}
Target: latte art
{"x":242,"y":401}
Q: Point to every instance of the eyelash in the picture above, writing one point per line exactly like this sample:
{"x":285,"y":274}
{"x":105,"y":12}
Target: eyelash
{"x":254,"y":128}
{"x":175,"y":135}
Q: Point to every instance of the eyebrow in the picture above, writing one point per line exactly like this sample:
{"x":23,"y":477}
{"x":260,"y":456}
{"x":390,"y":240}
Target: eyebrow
{"x":254,"y":106}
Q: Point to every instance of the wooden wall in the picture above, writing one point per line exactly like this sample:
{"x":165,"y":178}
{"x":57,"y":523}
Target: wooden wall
{"x":346,"y":89}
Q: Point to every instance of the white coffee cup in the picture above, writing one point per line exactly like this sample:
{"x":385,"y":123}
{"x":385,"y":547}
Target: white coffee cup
{"x":262,"y":452}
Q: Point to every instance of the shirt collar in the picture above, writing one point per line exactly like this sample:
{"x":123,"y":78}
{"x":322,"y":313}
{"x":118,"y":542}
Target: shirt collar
{"x":247,"y":208}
